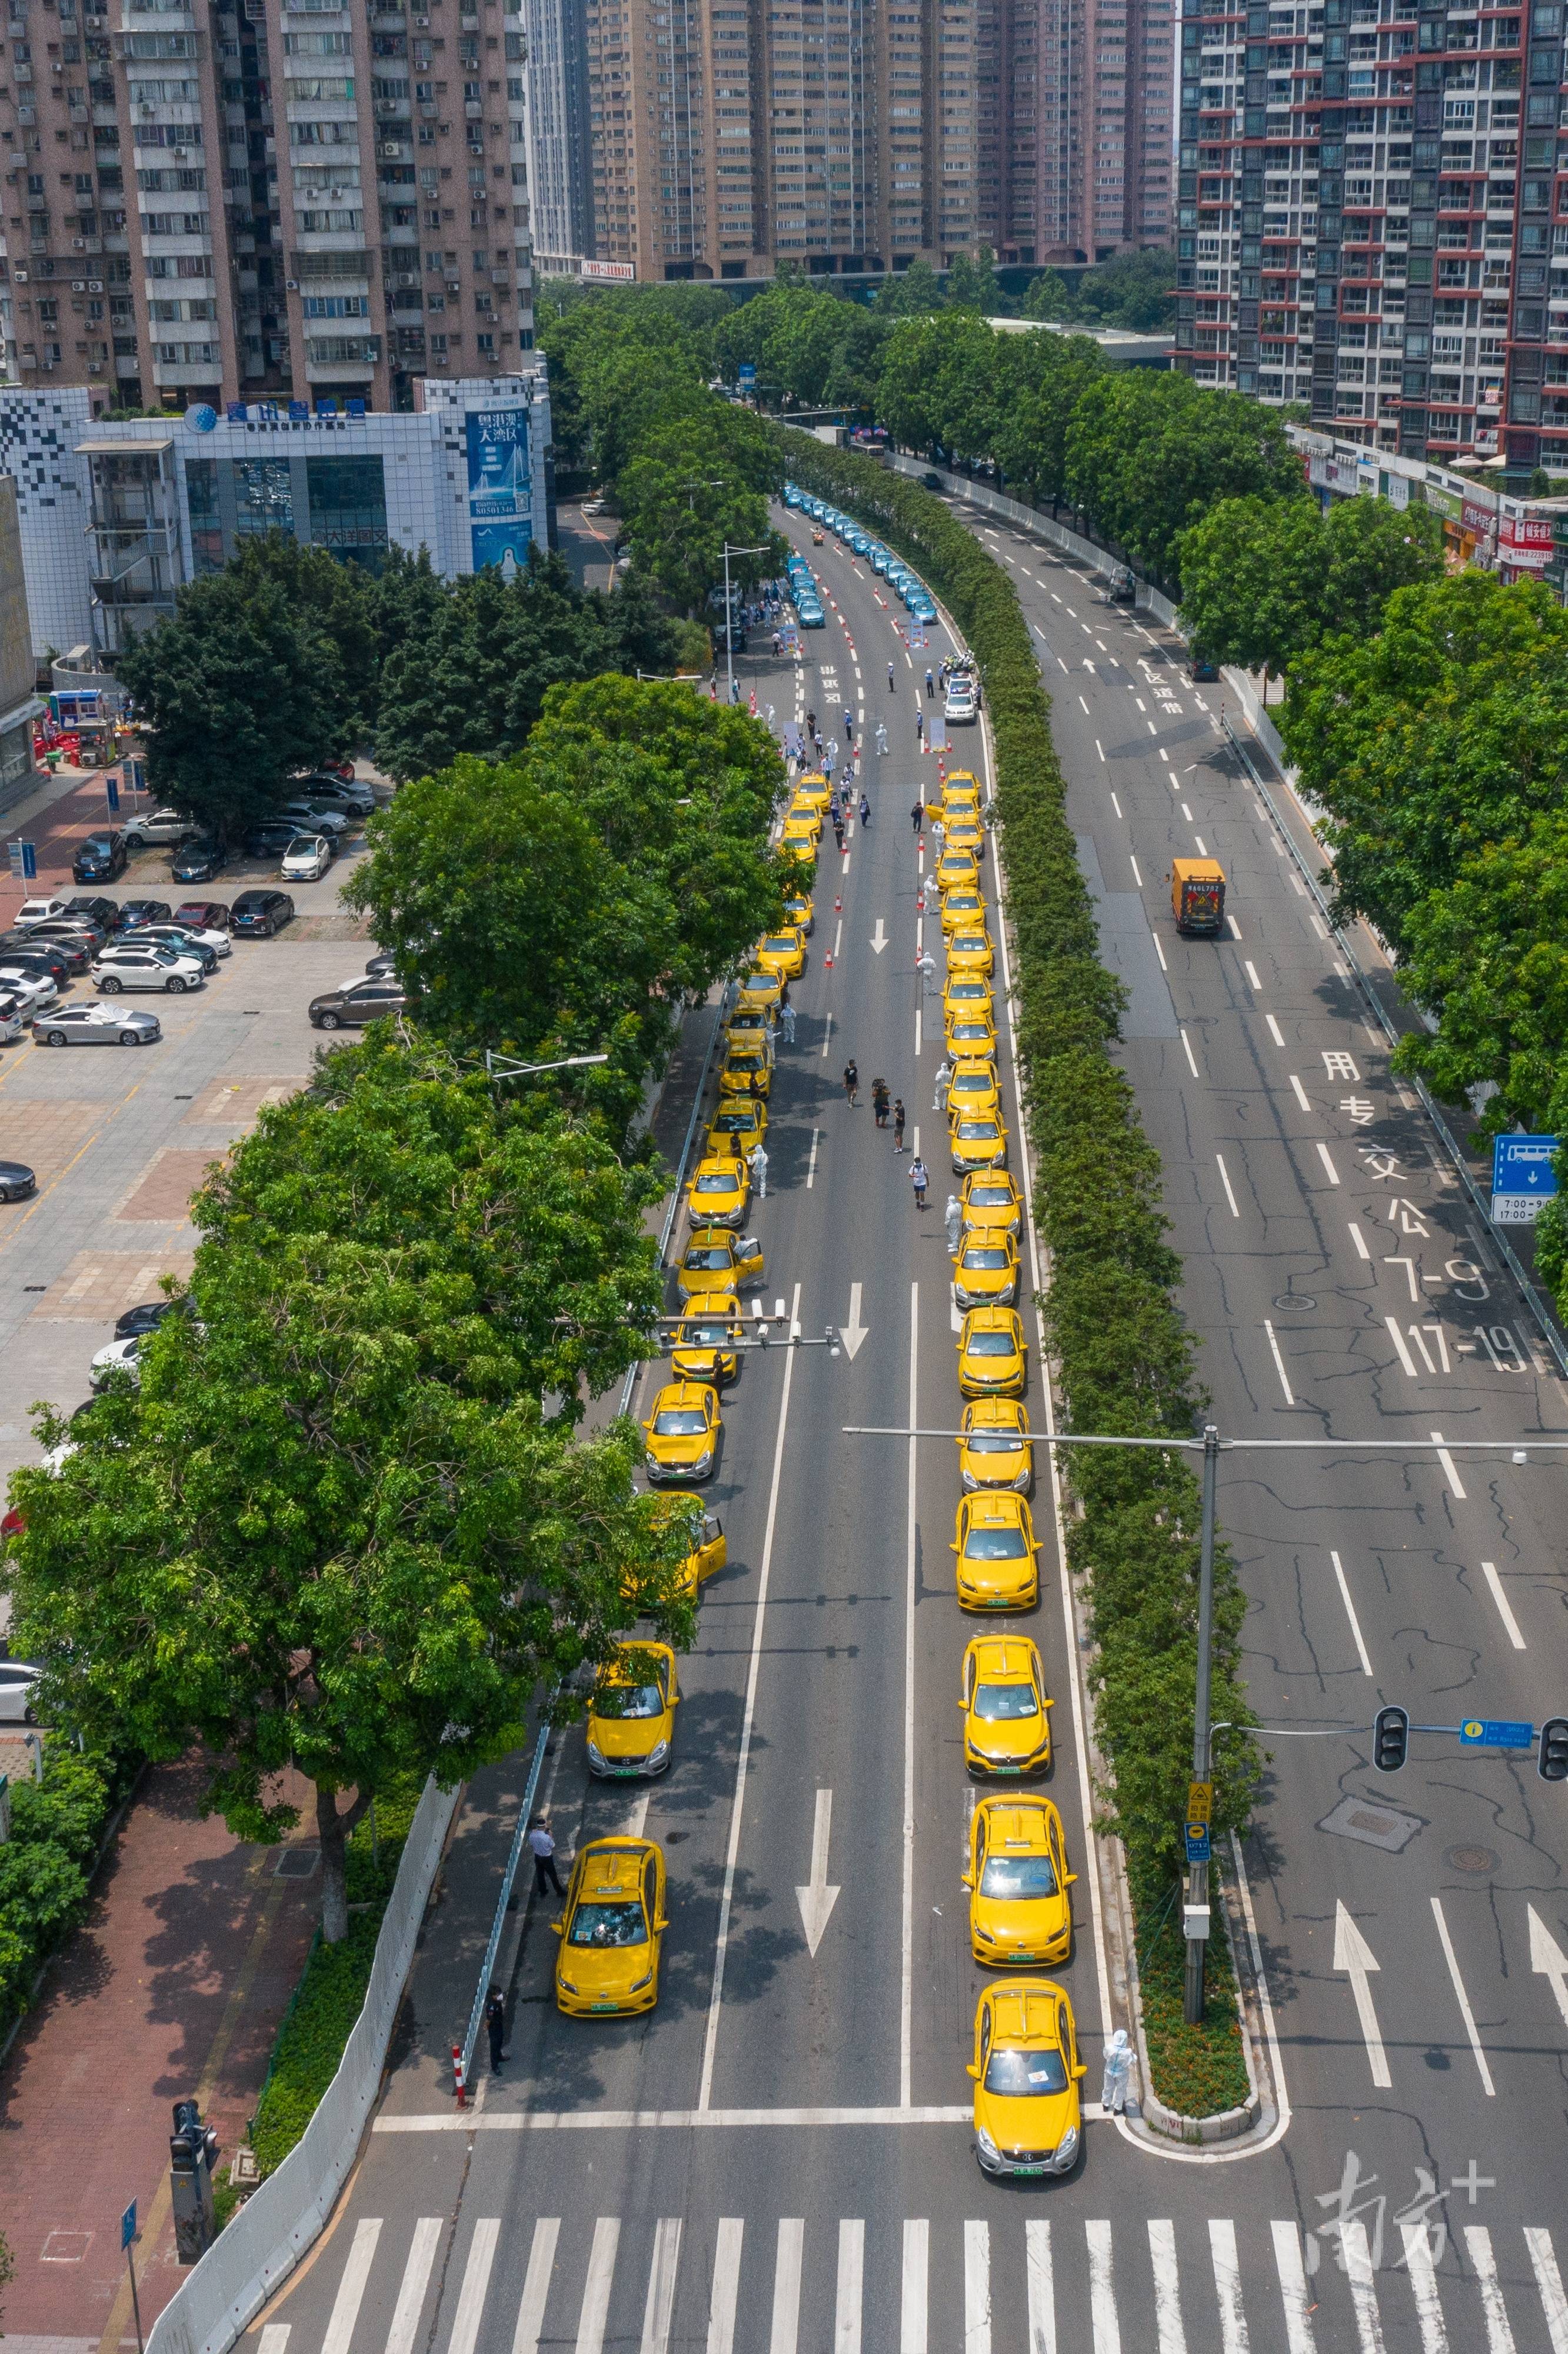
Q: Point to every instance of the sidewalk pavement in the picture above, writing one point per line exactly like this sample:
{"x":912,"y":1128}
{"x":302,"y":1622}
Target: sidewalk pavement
{"x":65,"y":806}
{"x":174,"y":1984}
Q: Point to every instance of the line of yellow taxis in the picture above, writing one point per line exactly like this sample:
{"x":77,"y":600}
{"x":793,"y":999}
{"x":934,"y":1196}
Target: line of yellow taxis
{"x":613,"y":1921}
{"x":1026,"y":2069}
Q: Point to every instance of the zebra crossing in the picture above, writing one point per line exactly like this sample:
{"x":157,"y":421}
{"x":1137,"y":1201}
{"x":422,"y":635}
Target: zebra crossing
{"x":914,"y":2286}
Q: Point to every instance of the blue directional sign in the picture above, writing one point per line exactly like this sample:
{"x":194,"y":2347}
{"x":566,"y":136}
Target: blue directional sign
{"x":1496,"y":1732}
{"x":1522,"y":1177}
{"x":746,"y":374}
{"x":128,"y":2225}
{"x":112,"y":787}
{"x":1198,"y":1848}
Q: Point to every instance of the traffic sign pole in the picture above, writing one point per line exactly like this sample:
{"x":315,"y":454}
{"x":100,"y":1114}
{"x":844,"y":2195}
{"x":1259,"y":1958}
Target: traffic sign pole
{"x":127,"y":2239}
{"x":1196,"y":1919}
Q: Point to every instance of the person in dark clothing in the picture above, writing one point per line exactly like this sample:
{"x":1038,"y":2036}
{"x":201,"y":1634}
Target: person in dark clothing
{"x":542,"y":1848}
{"x":879,"y":1101}
{"x":864,"y":811}
{"x":898,"y":1124}
{"x":917,"y":816}
{"x":839,"y":832}
{"x":495,"y":2025}
{"x":852,"y":1084}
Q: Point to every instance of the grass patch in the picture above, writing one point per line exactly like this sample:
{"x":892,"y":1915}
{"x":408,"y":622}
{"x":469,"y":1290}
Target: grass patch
{"x":1200,"y":2070}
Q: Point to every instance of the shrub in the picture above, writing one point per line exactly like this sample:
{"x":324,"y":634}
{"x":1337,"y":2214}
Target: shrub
{"x":56,"y":1827}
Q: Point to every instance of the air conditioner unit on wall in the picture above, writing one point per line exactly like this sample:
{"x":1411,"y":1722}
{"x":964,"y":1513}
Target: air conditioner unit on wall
{"x":391,"y":148}
{"x":95,"y":285}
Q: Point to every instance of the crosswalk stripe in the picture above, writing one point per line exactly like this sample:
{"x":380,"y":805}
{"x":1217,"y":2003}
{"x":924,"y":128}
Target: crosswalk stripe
{"x":595,"y":2309}
{"x":422,"y":2249}
{"x":1363,"y":2296}
{"x":659,"y":2310}
{"x":1102,"y":2290}
{"x":1423,"y":2289}
{"x":1293,"y":2293}
{"x":913,"y":2323}
{"x":351,"y":2287}
{"x":1478,"y":2244}
{"x":1167,"y":2287}
{"x":726,"y":2285}
{"x":1042,"y":2296}
{"x":1549,"y":2280}
{"x":536,"y":2284}
{"x":977,"y":2289}
{"x":275,"y":2337}
{"x":475,"y":2281}
{"x":851,"y":2286}
{"x":787,"y":2284}
{"x":1227,"y":2284}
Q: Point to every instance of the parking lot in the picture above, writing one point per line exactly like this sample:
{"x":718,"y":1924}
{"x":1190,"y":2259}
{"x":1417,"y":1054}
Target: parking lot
{"x":119,"y":1136}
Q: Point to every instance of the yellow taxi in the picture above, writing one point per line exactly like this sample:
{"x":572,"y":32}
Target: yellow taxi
{"x":631,"y":1716}
{"x":972,"y":1086}
{"x":719,"y":1193}
{"x":1018,"y":1879}
{"x":783,"y":953}
{"x":985,"y":1274}
{"x":799,"y":911}
{"x":801,"y":839}
{"x":971,"y":1036}
{"x":753,"y":1023}
{"x":967,"y":993}
{"x":962,"y":909}
{"x":991,"y":1203}
{"x":683,"y":1432}
{"x":971,"y":952}
{"x":708,"y":1550}
{"x":747,"y":1066}
{"x":716,"y":1263}
{"x":759,"y":992}
{"x":998,"y":1566}
{"x":612,"y":1929}
{"x":956,"y":870}
{"x":802,"y":823}
{"x":1029,"y":2117}
{"x":965,"y":834}
{"x":812,"y":792}
{"x":960,"y":790}
{"x":703,"y":1345}
{"x":993,"y":1445}
{"x":991,"y":1362}
{"x":739,"y":1123}
{"x":976,"y":1141}
{"x":1006,"y":1713}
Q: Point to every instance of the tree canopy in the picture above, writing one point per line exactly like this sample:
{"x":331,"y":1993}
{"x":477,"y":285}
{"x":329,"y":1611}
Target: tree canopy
{"x":1264,"y":579}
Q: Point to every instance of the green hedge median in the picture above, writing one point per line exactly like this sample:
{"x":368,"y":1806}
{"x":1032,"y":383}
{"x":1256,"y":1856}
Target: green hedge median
{"x":1112,"y":1315}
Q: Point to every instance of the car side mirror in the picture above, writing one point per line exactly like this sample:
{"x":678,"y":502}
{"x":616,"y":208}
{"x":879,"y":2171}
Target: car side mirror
{"x":1080,"y":2070}
{"x":559,"y":1927}
{"x":676,"y":1700}
{"x":972,"y":2071}
{"x":1068,"y":1878}
{"x":967,"y":1880}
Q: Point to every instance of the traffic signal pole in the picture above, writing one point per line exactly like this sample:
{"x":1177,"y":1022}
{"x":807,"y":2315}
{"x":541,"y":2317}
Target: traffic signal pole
{"x":1197,"y":1912}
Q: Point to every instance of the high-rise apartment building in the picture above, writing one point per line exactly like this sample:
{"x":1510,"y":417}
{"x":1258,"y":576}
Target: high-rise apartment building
{"x":242,"y":200}
{"x":560,"y":175}
{"x":1368,"y":194}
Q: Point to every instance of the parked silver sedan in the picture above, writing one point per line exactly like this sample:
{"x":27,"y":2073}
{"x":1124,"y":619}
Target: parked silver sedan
{"x":97,"y":1024}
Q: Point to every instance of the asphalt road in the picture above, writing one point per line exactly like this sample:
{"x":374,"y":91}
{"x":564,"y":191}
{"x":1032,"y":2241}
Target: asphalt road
{"x":778,"y":2157}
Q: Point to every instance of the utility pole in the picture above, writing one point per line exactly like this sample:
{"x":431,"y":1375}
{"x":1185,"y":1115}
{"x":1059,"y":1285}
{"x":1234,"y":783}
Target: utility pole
{"x":729,"y":617}
{"x":1196,"y":1918}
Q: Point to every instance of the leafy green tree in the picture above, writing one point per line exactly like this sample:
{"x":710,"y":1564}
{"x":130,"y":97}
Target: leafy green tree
{"x":241,"y":689}
{"x":1262,"y":580}
{"x":337,"y":1528}
{"x":1148,"y":455}
{"x":1040,"y":380}
{"x":908,"y":395}
{"x":406,"y":600}
{"x":908,"y":293}
{"x":1049,"y":296}
{"x":678,"y":516}
{"x":972,"y":283}
{"x":341,"y":601}
{"x":1373,"y":550}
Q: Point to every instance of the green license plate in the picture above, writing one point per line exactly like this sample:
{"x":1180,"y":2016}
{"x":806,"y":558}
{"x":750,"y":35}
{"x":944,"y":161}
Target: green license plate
{"x":605,"y":2006}
{"x":1028,"y":2170}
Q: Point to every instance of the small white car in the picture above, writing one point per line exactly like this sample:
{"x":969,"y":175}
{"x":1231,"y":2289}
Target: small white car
{"x":307,"y":858}
{"x":17,"y":1679}
{"x":156,"y":825}
{"x":310,"y":818}
{"x":174,"y":936}
{"x":960,"y":705}
{"x":128,"y":965}
{"x":119,"y":1357}
{"x":14,"y":1012}
{"x":35,"y":990}
{"x":38,"y":911}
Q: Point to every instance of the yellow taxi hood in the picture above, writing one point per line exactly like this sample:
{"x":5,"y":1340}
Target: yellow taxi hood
{"x":628,"y":1736}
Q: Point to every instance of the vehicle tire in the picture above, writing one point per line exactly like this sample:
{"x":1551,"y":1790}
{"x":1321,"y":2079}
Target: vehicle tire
{"x":268,"y":932}
{"x":55,"y":1038}
{"x":109,"y":986}
{"x":175,"y":986}
{"x":331,"y":1022}
{"x":29,"y":1716}
{"x":132,"y":1038}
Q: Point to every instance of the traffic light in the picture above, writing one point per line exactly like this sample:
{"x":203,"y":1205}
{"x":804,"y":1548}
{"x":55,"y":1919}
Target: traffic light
{"x":1391,"y":1739}
{"x":1551,"y":1763}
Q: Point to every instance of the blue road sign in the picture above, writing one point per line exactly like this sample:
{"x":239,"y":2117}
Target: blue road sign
{"x":29,"y":862}
{"x":128,"y":2225}
{"x":1522,"y":1164}
{"x":1198,"y":1848}
{"x":746,"y":374}
{"x":1496,"y":1732}
{"x":112,"y":787}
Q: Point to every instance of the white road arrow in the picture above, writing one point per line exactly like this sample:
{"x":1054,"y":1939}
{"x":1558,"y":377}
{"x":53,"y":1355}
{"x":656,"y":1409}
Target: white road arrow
{"x":852,"y":1334}
{"x":1088,"y":665}
{"x":1548,"y":1959}
{"x":817,"y":1901}
{"x":1355,"y":1955}
{"x":879,"y":938}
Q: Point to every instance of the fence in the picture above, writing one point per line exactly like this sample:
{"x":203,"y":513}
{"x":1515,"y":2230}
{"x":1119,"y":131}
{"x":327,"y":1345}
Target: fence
{"x":278,"y":2222}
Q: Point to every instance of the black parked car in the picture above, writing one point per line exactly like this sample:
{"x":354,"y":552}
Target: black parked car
{"x":17,"y":1180}
{"x":932,"y":482}
{"x":270,"y":838}
{"x":197,"y":861}
{"x":362,"y":1002}
{"x":134,"y":913}
{"x":20,"y":953}
{"x":1201,"y":668}
{"x":76,"y":944}
{"x":148,"y":1315}
{"x":257,"y":915}
{"x":101,"y":858}
{"x":104,"y":913}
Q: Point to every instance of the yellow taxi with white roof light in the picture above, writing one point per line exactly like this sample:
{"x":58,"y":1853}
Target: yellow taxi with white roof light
{"x":1006,"y":1713}
{"x":960,"y":790}
{"x":991,"y":1203}
{"x":812,"y":792}
{"x":759,"y":992}
{"x":960,"y":909}
{"x":747,"y":1065}
{"x":970,"y":951}
{"x":707,"y":1549}
{"x":631,"y":1716}
{"x":967,"y":992}
{"x":681,"y":1435}
{"x":993,"y":1445}
{"x":999,"y":1557}
{"x":976,"y":1141}
{"x":739,"y":1123}
{"x":966,"y":834}
{"x":718,"y":1262}
{"x":719,"y":1193}
{"x":991,"y":1362}
{"x":612,"y":1929}
{"x":1028,"y":2113}
{"x":972,"y":1086}
{"x":985,"y":1274}
{"x":1018,"y":1879}
{"x":703,"y":1345}
{"x":956,"y":870}
{"x":970,"y":1037}
{"x":801,"y":837}
{"x":783,"y":953}
{"x":800,"y":911}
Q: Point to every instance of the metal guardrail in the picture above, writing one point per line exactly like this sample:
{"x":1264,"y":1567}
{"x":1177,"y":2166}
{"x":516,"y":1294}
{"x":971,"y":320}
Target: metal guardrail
{"x":508,"y":1880}
{"x":1527,"y":1292}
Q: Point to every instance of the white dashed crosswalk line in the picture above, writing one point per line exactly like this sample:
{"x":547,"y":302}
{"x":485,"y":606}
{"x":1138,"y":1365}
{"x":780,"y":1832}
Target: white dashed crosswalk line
{"x":416,"y":2279}
{"x":594,"y":2312}
{"x":1293,"y":2290}
{"x":1167,"y":2287}
{"x":849,"y":2300}
{"x":726,"y":2285}
{"x":535,"y":2284}
{"x":1423,"y":2289}
{"x":351,"y":2288}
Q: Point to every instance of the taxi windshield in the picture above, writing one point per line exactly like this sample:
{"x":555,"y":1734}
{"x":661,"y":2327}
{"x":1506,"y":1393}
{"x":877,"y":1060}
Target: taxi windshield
{"x":992,"y":1197}
{"x":718,"y":1180}
{"x":973,"y":1083}
{"x":730,"y":1122}
{"x":629,"y":1700}
{"x":984,"y":1259}
{"x":1025,"y":2075}
{"x":992,"y":1344}
{"x":1019,"y":1876}
{"x":679,"y":1422}
{"x":712,"y":1336}
{"x":994,"y":1442}
{"x":785,"y":947}
{"x":1001,"y":1703}
{"x":708,"y":1258}
{"x":995,"y":1545}
{"x":979,"y":1129}
{"x":610,"y":1925}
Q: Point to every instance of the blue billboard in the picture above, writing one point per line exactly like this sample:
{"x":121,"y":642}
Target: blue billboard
{"x":499,"y":493}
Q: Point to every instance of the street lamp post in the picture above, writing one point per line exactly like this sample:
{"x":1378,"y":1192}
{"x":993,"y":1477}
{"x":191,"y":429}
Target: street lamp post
{"x":728,"y":622}
{"x":1197,"y":1914}
{"x":502,"y":1066}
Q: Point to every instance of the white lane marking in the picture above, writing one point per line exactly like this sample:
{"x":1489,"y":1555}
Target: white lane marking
{"x":1318,"y":925}
{"x":536,"y":2288}
{"x":977,"y":2289}
{"x":1187,"y":813}
{"x":1099,"y":748}
{"x":1041,"y":2294}
{"x":1397,"y":1337}
{"x":912,"y":2326}
{"x":850,"y":2298}
{"x":1166,"y":758}
{"x":1278,"y":1363}
{"x":1423,"y":2289}
{"x":1115,"y":805}
{"x":1227,"y":2284}
{"x":275,"y":2337}
{"x":594,"y":2309}
{"x":1355,"y":1958}
{"x":1463,"y":1999}
{"x":1549,"y":2280}
{"x":1062,"y":665}
{"x":1136,"y":875}
{"x":817,"y":1899}
{"x":1140,"y":703}
{"x":906,"y":1967}
{"x":1449,"y":1472}
{"x":416,"y":2279}
{"x":1360,"y":1241}
{"x":1167,"y":2287}
{"x":919,"y":1020}
{"x":1350,"y":1612}
{"x":1160,"y":953}
{"x":1505,"y":1612}
{"x":351,"y":2287}
{"x":1363,"y":2294}
{"x":1201,"y":845}
{"x":1192,"y":1064}
{"x":659,"y":2310}
{"x":786,"y":2329}
{"x":827,"y":1034}
{"x":1299,"y":2306}
{"x":1251,"y":970}
{"x":1300,"y":1092}
{"x":1275,"y":1031}
{"x":1225,"y":1181}
{"x":1083,"y":705}
{"x":725,"y":2290}
{"x":1150,"y":724}
{"x":715,"y":2000}
{"x":1102,"y":2290}
{"x":811,"y":1163}
{"x":1236,"y":928}
{"x":1499,"y":2334}
{"x":1329,"y":1169}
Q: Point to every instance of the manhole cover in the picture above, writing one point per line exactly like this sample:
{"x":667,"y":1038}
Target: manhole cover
{"x":296,"y":1864}
{"x":1295,"y":1302}
{"x":1477,"y":1860}
{"x":1373,"y":1826}
{"x":65,"y":2248}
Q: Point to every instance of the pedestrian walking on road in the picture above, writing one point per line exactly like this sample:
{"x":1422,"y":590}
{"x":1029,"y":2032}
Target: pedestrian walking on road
{"x":930,"y":683}
{"x":919,"y":727}
{"x":811,"y":726}
{"x":735,"y":690}
{"x":953,"y":1219}
{"x":830,"y":756}
{"x":852,"y":1084}
{"x":787,"y":1024}
{"x":848,"y":724}
{"x":757,"y":1161}
{"x":881,"y":739}
{"x":542,"y":1848}
{"x":917,"y":816}
{"x":879,"y":1101}
{"x":890,"y":678}
{"x":939,"y":835}
{"x":919,"y":1178}
{"x":898,"y":1123}
{"x":496,"y":2024}
{"x":770,"y":714}
{"x":864,"y":811}
{"x":944,"y":1081}
{"x":839,"y":832}
{"x":1118,"y":2070}
{"x":926,"y":966}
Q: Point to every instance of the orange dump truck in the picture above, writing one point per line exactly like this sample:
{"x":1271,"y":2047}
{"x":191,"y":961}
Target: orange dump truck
{"x":1198,"y":895}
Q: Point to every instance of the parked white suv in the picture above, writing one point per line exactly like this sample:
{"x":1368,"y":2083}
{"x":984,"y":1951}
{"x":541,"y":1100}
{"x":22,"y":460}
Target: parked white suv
{"x":156,"y":825}
{"x":125,"y":964}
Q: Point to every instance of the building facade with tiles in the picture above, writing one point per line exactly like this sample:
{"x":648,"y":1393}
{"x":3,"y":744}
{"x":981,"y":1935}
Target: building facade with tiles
{"x":261,"y":198}
{"x":114,"y":516}
{"x":1368,"y":220}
